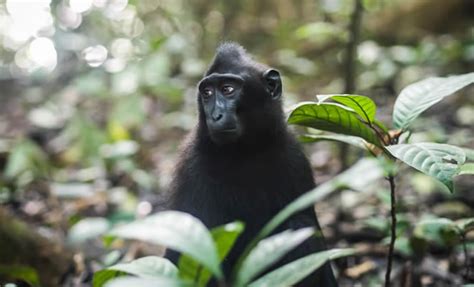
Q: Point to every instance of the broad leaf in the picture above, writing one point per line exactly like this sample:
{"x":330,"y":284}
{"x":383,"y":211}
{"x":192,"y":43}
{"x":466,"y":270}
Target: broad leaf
{"x":146,"y":282}
{"x":332,"y":117}
{"x":293,"y":272}
{"x":469,"y":154}
{"x":179,"y":231}
{"x":88,"y":228}
{"x":146,"y":267}
{"x":440,"y":161}
{"x":352,"y":140}
{"x":362,"y":105}
{"x":224,"y":237}
{"x":381,"y":126}
{"x":418,"y":97}
{"x":467,"y":168}
{"x":441,"y":231}
{"x":269,"y":251}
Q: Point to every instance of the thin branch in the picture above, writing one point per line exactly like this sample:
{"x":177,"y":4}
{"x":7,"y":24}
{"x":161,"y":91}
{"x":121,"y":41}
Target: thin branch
{"x":393,"y":232}
{"x":351,"y":54}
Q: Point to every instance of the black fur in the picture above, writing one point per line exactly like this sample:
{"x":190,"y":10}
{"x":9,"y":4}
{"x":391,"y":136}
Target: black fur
{"x":253,"y":178}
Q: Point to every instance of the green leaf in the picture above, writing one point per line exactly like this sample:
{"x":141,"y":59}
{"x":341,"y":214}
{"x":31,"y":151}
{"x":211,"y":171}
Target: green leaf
{"x":179,"y":231}
{"x":26,"y":156}
{"x":103,"y":276}
{"x":418,"y":97}
{"x":146,"y":267}
{"x":374,"y":223}
{"x":403,"y":246}
{"x":224,"y":237}
{"x":381,"y":126}
{"x":469,"y":154}
{"x":24,"y":273}
{"x":85,"y":138}
{"x":322,"y":31}
{"x":352,"y":140}
{"x":440,"y":161}
{"x":269,"y":251}
{"x":362,"y":105}
{"x":467,"y":168}
{"x":146,"y":282}
{"x":441,"y":231}
{"x":88,"y":228}
{"x":293,"y":272}
{"x":331,"y":117}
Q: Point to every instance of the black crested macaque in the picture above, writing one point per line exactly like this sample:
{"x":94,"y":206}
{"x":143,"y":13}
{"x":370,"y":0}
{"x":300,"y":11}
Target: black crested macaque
{"x":241,"y":162}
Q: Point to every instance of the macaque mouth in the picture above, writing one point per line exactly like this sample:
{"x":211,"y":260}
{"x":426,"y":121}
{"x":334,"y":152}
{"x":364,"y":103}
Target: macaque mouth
{"x":225,"y":135}
{"x":228,"y":130}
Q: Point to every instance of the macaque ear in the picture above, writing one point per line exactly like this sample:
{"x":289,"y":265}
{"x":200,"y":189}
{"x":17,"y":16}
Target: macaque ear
{"x":273,"y":83}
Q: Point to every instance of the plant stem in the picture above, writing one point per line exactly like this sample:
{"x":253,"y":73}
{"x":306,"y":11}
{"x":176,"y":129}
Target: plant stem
{"x":198,"y":274}
{"x":351,"y":56}
{"x":393,"y":232}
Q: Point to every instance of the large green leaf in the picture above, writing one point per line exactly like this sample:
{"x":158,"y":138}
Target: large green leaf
{"x":224,"y":237}
{"x":332,"y":117}
{"x":440,"y":161}
{"x":362,"y":105}
{"x":381,"y":126}
{"x":269,"y":251}
{"x":420,"y":96}
{"x":352,"y":140}
{"x":179,"y":231}
{"x":146,"y":267}
{"x":469,"y":154}
{"x":146,"y":282}
{"x":88,"y":228}
{"x":293,"y":272}
{"x":441,"y":231}
{"x":150,"y":266}
{"x":467,"y":168}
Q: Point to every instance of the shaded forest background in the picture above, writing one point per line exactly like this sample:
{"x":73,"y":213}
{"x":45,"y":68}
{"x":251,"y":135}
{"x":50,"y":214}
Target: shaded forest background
{"x":95,"y":96}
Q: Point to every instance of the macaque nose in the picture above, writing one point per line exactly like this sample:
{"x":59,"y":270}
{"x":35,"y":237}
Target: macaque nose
{"x":216,"y":117}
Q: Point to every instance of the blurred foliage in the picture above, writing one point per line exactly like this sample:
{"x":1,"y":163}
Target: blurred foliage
{"x":96,"y":94}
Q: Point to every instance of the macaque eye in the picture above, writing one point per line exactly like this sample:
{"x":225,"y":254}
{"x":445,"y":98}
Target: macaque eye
{"x":227,"y":90}
{"x":207,"y":93}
